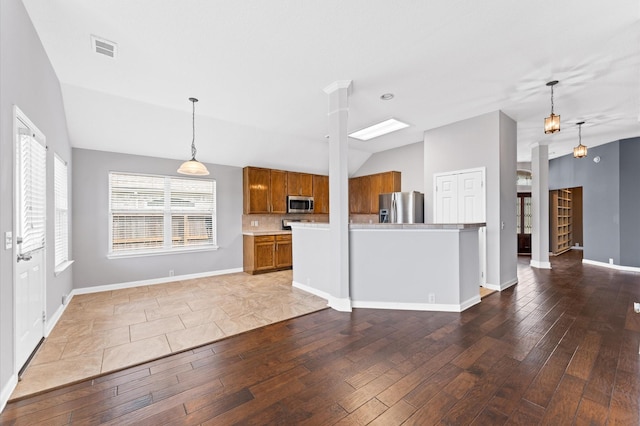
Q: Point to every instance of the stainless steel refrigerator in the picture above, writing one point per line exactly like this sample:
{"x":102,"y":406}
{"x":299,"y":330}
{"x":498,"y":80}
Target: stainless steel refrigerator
{"x":401,"y":207}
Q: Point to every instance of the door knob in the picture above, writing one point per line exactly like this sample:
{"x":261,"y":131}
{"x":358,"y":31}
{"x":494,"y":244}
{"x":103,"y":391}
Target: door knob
{"x":25,"y":257}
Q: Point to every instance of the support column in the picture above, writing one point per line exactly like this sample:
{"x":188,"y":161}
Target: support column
{"x":339,"y":193}
{"x":540,"y":206}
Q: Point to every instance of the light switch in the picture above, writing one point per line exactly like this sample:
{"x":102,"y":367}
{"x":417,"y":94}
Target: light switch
{"x":8,"y":240}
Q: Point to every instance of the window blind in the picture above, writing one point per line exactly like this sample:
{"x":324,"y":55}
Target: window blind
{"x":150,"y":213}
{"x":61,"y":211}
{"x":32,"y":162}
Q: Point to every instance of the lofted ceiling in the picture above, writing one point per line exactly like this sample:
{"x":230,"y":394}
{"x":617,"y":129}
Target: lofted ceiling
{"x":259,"y":68}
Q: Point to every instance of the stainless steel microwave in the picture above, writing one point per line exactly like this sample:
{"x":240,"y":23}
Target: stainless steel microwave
{"x":298,"y":204}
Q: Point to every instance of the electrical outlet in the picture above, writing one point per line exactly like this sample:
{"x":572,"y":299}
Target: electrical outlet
{"x":636,"y":307}
{"x":432,"y":298}
{"x":611,"y":261}
{"x":170,"y":272}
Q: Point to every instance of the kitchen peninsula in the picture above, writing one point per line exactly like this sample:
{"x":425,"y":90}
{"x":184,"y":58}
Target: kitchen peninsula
{"x":433,"y":267}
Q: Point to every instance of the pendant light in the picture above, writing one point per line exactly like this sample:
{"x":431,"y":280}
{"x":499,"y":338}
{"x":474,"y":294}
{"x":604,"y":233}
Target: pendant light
{"x":193,"y":167}
{"x":552,"y":122}
{"x":580,"y":151}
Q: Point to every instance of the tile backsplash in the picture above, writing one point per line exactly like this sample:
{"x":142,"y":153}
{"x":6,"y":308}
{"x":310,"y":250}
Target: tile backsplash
{"x":273,"y":222}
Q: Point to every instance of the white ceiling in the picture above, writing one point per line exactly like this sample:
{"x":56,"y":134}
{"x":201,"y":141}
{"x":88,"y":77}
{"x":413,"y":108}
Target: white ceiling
{"x":259,"y":67}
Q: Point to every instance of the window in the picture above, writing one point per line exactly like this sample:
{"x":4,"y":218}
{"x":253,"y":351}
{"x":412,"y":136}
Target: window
{"x":61,"y":212}
{"x":150,"y":214}
{"x":31,"y":161}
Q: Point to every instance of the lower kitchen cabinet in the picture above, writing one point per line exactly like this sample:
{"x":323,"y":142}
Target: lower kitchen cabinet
{"x":266,"y":253}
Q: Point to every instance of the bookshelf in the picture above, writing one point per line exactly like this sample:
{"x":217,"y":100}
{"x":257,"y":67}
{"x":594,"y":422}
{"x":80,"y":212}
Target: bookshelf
{"x":560,"y":221}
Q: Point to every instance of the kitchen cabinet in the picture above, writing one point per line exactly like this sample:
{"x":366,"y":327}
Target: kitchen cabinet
{"x":382,"y":183}
{"x":264,"y":190}
{"x":321,"y":194}
{"x":266,"y":253}
{"x":360,"y":195}
{"x":364,"y":191}
{"x":278,"y":191}
{"x":300,"y":184}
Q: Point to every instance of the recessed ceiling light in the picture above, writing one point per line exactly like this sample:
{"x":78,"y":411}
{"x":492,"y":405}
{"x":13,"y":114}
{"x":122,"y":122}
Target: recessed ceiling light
{"x":387,"y":96}
{"x":379,"y":129}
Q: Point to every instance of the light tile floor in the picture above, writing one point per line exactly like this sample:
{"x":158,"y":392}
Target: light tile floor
{"x":107,"y":331}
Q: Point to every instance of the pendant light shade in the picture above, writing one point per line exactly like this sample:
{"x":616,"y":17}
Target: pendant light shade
{"x":193,"y":167}
{"x":580,"y":151}
{"x":552,"y":123}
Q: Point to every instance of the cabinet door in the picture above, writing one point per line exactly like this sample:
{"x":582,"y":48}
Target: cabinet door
{"x":360,"y":195}
{"x":278,"y":191}
{"x":383,"y":183}
{"x":257,"y":193}
{"x":283,"y":251}
{"x":264,"y":253}
{"x":300,"y":184}
{"x":321,"y":194}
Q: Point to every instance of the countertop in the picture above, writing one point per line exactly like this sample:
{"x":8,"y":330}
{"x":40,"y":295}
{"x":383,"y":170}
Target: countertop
{"x":410,"y":226}
{"x":267,"y":232}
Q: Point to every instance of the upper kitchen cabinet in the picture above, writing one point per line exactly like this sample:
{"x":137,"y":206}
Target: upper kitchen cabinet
{"x":360,"y":195}
{"x":300,"y":184}
{"x":364,"y":191}
{"x":321,"y":194}
{"x":278,"y":191}
{"x":265,"y":190}
{"x":383,"y":183}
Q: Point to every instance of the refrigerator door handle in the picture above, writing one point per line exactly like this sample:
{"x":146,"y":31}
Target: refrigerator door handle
{"x":394,"y":210}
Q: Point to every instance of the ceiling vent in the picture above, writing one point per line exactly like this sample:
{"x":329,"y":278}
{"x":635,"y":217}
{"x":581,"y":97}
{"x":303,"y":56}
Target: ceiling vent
{"x":104,"y":47}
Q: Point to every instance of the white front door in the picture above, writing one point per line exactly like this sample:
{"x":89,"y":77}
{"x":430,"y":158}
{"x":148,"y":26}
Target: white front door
{"x":29,"y":247}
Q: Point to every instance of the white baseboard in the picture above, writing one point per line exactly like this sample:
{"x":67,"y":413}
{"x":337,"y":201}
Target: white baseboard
{"x":345,"y":305}
{"x":611,"y":266}
{"x":508,"y":284}
{"x":7,"y":390}
{"x":540,"y":265}
{"x":337,"y":303}
{"x":119,"y":286}
{"x":403,"y":306}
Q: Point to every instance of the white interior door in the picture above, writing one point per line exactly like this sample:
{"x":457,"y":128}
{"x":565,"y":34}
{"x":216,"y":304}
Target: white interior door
{"x":29,"y":247}
{"x":471,"y":197}
{"x":460,"y":198}
{"x":446,"y":202}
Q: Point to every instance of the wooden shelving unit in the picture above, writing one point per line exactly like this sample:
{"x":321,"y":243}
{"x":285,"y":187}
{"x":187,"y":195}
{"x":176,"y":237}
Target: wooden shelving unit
{"x":560,"y":221}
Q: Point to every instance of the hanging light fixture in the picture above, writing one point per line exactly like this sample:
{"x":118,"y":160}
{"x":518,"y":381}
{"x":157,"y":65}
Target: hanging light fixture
{"x":552,"y":122}
{"x":193,"y":166}
{"x":580,"y":151}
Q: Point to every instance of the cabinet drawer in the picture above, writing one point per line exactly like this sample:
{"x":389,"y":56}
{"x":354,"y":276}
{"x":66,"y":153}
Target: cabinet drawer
{"x":283,"y":237}
{"x":264,"y":238}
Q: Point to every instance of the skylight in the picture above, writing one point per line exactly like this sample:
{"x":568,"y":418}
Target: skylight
{"x":379,"y":129}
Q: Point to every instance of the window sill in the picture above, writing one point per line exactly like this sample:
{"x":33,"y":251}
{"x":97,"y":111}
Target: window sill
{"x":160,"y":252}
{"x":62,"y":267}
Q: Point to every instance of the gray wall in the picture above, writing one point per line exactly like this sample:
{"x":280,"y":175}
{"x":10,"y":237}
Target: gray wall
{"x":610,"y":199}
{"x":630,"y":202}
{"x":27,"y":80}
{"x":408,"y":159}
{"x":91,"y":223}
{"x":600,"y":184}
{"x":485,"y":141}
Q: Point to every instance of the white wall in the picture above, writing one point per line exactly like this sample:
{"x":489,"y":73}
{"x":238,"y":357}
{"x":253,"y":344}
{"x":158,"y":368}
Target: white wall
{"x":486,"y":141}
{"x":408,"y":159}
{"x":27,"y":80}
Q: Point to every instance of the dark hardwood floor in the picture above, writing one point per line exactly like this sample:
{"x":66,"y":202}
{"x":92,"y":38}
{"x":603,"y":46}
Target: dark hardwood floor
{"x":559,"y":348}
